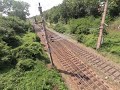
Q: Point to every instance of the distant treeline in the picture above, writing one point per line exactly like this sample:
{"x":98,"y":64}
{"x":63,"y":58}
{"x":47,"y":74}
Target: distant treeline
{"x":73,"y":9}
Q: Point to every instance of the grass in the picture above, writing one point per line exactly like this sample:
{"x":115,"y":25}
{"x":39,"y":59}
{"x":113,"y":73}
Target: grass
{"x":40,"y":78}
{"x":114,"y":58}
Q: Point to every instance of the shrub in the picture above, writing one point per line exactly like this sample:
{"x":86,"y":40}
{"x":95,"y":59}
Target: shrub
{"x":82,"y":30}
{"x":73,"y":25}
{"x":1,"y":86}
{"x":6,"y":58}
{"x":25,"y":65}
{"x":30,"y":38}
{"x":60,"y":28}
{"x":80,"y":38}
{"x":2,"y":30}
{"x":31,"y":50}
{"x":115,"y":50}
{"x":83,"y":25}
{"x":5,"y":32}
{"x":90,"y":40}
{"x":13,"y":41}
{"x":19,"y":26}
{"x":94,"y":31}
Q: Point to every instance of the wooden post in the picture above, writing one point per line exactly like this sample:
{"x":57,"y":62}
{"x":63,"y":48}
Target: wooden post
{"x":100,"y":38}
{"x":46,"y":36}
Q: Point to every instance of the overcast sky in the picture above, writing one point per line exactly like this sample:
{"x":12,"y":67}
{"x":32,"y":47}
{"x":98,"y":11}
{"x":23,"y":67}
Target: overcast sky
{"x":46,"y":4}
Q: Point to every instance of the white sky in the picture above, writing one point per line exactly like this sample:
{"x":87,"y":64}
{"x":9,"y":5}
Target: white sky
{"x":46,"y":4}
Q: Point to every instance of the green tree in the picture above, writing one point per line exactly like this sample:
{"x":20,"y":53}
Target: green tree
{"x":114,"y":8}
{"x":53,"y":15}
{"x":92,"y":7}
{"x":15,"y":8}
{"x":1,"y":6}
{"x":70,"y":9}
{"x":20,"y":9}
{"x":7,"y":6}
{"x":65,"y":12}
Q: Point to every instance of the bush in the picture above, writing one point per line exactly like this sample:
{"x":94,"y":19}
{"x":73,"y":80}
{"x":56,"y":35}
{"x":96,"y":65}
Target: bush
{"x":13,"y":41}
{"x":5,"y":32}
{"x":19,"y":26}
{"x":83,"y":25}
{"x":94,"y":31}
{"x":1,"y":86}
{"x":80,"y":38}
{"x":59,"y":28}
{"x":82,"y":30}
{"x":31,"y":50}
{"x":115,"y":50}
{"x":36,"y":77}
{"x":25,"y":65}
{"x":6,"y":58}
{"x":74,"y":24}
{"x":30,"y":38}
{"x":90,"y":40}
{"x":2,"y":31}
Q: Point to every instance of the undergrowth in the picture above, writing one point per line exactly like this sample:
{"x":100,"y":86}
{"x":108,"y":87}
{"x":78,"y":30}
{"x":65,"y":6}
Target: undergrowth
{"x":23,"y":62}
